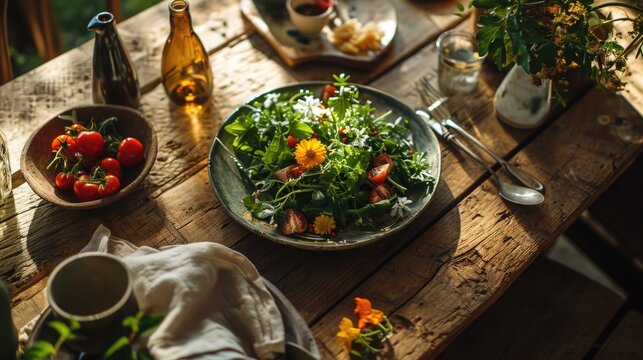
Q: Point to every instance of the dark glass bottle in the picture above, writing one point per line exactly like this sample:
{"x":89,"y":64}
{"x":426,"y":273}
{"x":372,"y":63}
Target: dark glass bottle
{"x":185,"y":66}
{"x":114,"y":78}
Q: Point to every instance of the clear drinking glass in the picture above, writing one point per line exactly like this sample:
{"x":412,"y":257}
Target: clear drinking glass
{"x":5,"y":169}
{"x":460,"y":63}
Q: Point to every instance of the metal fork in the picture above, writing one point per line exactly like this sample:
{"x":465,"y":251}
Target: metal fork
{"x":430,"y":95}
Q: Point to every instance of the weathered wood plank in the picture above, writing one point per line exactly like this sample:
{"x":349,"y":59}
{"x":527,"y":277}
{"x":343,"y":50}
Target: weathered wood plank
{"x":452,"y":274}
{"x":550,"y":312}
{"x":65,"y":81}
{"x":241,"y":69}
{"x":625,"y":341}
{"x":31,"y":99}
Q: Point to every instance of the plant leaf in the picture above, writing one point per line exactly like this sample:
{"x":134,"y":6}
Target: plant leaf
{"x":119,"y":344}
{"x":61,"y":328}
{"x":301,"y":130}
{"x":39,"y":350}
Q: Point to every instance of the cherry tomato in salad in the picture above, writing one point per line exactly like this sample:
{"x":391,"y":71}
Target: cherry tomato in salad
{"x":69,"y":145}
{"x":378,"y":175}
{"x":90,"y":143}
{"x":112,"y":167}
{"x":64,"y":181}
{"x":382,"y":159}
{"x":292,"y":141}
{"x":85,"y":190}
{"x":330,"y":89}
{"x":328,"y":92}
{"x":130,"y":152}
{"x":111,"y":186}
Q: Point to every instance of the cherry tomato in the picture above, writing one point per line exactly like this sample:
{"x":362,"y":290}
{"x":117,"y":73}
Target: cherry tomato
{"x":381,"y":192}
{"x":69,"y":145}
{"x":295,"y":173}
{"x":111,"y":186}
{"x":112,"y":167}
{"x":75,"y":129}
{"x":90,"y":143}
{"x":378,"y":175}
{"x":84,"y":190}
{"x":130,"y":152}
{"x":64,"y":181}
{"x":292,"y":141}
{"x":330,"y":89}
{"x":382,"y":159}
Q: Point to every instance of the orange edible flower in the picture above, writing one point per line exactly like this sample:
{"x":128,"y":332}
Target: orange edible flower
{"x":347,"y":333}
{"x":366,"y":314}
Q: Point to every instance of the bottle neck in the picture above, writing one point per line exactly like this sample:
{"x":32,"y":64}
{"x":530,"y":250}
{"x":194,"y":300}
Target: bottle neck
{"x":180,"y":18}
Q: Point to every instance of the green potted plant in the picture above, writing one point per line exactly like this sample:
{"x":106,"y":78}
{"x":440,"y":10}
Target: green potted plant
{"x":544,"y":40}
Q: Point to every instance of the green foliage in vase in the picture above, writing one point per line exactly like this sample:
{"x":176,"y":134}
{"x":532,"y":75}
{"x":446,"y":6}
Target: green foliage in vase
{"x":138,"y":326}
{"x":547,"y":38}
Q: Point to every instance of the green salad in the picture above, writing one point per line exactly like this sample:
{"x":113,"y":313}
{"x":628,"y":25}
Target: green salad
{"x":320,"y":162}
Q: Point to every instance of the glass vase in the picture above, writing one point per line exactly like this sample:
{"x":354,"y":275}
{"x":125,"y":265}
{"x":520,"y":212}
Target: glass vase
{"x":185,"y":66}
{"x":5,"y":169}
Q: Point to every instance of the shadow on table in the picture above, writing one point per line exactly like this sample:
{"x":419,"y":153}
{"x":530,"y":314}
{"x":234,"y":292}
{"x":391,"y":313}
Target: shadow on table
{"x":56,"y":233}
{"x":9,"y":240}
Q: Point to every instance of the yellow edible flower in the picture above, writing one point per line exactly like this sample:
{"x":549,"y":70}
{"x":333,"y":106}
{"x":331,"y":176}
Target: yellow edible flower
{"x":310,"y":153}
{"x":324,"y":224}
{"x":347,"y":333}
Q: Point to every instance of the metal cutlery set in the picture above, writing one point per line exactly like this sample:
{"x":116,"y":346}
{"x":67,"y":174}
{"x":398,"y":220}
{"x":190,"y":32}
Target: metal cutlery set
{"x":439,"y":120}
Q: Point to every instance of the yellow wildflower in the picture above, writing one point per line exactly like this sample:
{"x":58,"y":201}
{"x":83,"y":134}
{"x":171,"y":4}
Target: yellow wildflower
{"x":310,"y":153}
{"x":324,"y":224}
{"x":347,"y":333}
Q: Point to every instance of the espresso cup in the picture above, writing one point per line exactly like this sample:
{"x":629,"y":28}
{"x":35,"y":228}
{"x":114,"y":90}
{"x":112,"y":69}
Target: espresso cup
{"x":308,"y":24}
{"x":94,"y":289}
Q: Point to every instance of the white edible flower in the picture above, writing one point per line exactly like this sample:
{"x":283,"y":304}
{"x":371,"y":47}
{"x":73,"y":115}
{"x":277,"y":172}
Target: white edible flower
{"x":360,"y":137}
{"x":270,"y":100}
{"x":400,"y":207}
{"x":307,"y":105}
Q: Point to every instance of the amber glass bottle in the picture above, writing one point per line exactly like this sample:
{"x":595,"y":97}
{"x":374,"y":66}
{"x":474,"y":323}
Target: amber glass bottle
{"x":185,"y":67}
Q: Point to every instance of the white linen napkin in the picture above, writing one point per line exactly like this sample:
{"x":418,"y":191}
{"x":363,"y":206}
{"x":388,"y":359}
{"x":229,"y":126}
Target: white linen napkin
{"x":216,"y":305}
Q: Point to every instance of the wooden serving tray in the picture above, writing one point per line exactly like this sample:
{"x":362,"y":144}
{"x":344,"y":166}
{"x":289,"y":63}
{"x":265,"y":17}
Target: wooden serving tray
{"x":275,"y":26}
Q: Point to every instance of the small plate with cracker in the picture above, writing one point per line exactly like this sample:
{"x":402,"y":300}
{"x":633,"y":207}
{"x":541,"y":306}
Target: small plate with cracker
{"x":359,"y":33}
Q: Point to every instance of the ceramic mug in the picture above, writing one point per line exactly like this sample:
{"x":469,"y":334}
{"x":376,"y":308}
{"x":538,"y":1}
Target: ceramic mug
{"x":308,"y":24}
{"x":96,"y":290}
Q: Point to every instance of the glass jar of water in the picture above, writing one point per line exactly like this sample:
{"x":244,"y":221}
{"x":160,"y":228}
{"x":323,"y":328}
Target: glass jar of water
{"x":5,"y":169}
{"x":460,"y":63}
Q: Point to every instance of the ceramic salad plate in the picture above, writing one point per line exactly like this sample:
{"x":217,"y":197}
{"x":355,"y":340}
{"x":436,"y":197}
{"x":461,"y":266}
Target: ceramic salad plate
{"x":272,"y":22}
{"x":231,"y":184}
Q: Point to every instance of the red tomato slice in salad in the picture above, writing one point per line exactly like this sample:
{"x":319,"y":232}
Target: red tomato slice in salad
{"x":379,"y":174}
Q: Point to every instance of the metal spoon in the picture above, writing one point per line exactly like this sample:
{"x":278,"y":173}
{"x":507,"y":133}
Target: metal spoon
{"x":524,"y":177}
{"x":514,"y":193}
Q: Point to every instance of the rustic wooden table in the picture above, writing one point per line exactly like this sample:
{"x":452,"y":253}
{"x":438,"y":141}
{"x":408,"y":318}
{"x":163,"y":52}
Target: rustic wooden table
{"x":433,"y":279}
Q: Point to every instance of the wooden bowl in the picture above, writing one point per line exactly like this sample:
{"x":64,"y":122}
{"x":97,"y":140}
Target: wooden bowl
{"x":36,"y":154}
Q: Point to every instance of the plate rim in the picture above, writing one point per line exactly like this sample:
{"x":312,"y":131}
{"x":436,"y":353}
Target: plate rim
{"x":325,"y":245}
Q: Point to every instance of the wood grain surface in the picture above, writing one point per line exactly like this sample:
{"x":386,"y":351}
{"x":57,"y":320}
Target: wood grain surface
{"x":550,"y":312}
{"x":433,"y":279}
